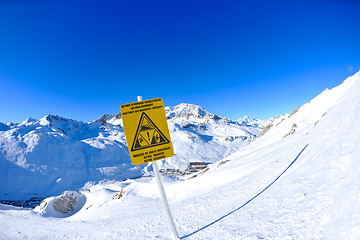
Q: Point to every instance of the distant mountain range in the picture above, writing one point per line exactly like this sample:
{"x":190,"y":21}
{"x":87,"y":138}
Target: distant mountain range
{"x":44,"y":157}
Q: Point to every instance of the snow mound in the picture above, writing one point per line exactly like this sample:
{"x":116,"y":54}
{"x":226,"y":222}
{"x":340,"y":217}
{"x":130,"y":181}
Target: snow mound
{"x":65,"y":205}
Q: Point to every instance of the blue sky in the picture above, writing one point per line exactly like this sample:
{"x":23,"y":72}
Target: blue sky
{"x":82,"y":59}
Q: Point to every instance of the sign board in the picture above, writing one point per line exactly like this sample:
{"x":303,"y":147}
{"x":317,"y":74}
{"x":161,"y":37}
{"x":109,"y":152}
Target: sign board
{"x":146,"y":130}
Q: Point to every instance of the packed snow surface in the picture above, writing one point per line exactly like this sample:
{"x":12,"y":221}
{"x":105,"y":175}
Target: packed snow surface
{"x":299,"y":180}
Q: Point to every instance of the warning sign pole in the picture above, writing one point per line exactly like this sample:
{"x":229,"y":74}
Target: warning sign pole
{"x":162,"y":193}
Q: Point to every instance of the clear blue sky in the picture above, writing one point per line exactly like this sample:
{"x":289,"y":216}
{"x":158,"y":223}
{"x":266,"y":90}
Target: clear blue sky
{"x":82,"y":59}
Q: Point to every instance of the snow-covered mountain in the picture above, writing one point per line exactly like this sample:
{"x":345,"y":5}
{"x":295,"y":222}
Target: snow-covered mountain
{"x":50,"y":154}
{"x":299,"y":180}
{"x":47,"y":156}
{"x":201,"y":136}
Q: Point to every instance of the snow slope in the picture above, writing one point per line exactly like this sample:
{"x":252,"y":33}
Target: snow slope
{"x":201,"y":136}
{"x":317,"y":197}
{"x":301,"y":184}
{"x":40,"y":158}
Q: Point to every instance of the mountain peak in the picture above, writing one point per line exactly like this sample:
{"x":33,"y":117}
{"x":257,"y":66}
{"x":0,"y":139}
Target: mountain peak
{"x":104,"y":118}
{"x":28,"y":121}
{"x":107,"y":118}
{"x":186,"y":110}
{"x":4,"y":127}
{"x":49,"y":119}
{"x":246,"y":120}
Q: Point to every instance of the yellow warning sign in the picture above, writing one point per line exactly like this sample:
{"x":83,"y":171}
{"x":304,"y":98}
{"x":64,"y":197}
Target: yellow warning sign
{"x":146,"y":130}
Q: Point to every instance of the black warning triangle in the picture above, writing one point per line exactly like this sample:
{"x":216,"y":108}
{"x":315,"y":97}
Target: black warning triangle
{"x":147,"y":134}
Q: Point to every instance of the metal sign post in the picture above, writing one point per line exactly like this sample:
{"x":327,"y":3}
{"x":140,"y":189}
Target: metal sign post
{"x":149,"y":140}
{"x":164,"y":199}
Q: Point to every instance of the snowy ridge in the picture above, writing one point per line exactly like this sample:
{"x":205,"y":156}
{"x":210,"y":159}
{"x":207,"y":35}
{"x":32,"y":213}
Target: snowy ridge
{"x":308,"y":115}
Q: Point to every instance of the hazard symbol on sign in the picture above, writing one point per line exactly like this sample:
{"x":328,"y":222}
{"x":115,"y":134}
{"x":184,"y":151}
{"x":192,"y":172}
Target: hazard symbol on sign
{"x":147,"y":134}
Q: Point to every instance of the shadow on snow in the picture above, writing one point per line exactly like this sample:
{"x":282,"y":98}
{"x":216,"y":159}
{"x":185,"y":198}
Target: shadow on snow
{"x":219,"y":219}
